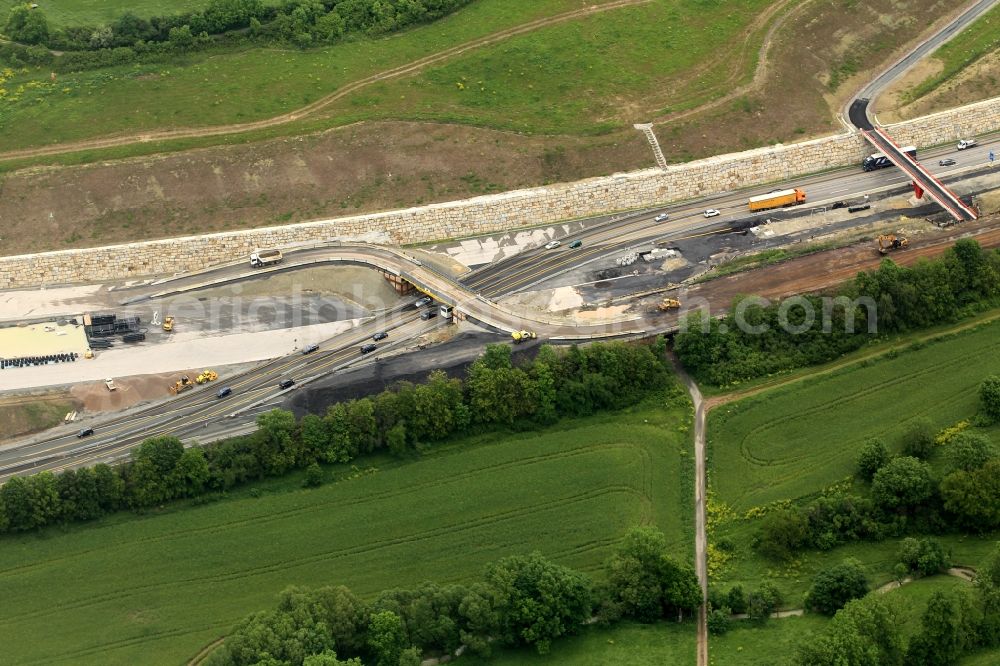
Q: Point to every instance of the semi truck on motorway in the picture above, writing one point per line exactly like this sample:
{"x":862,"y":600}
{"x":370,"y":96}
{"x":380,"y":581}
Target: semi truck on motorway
{"x":265,"y":258}
{"x":880,"y":161}
{"x":777,"y":199}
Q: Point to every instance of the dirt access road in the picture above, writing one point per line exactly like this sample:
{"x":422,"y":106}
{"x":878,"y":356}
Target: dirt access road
{"x":816,"y":272}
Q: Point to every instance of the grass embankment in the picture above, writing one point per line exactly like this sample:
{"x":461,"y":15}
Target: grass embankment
{"x":573,"y":77}
{"x":977,"y":40}
{"x":791,"y":442}
{"x":22,"y":416}
{"x":154,"y":589}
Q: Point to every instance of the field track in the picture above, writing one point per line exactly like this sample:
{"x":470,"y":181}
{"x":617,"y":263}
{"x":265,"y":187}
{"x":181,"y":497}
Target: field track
{"x":309,"y":109}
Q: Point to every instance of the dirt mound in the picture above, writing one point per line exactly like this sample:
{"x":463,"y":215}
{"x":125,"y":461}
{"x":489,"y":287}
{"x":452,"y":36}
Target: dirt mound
{"x":95,"y":396}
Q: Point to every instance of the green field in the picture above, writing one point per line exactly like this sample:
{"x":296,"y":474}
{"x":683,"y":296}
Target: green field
{"x":633,"y":644}
{"x":62,"y":13}
{"x":155,"y":589}
{"x":573,"y":77}
{"x":793,"y":441}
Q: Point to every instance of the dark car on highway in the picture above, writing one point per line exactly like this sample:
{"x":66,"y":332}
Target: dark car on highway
{"x":381,"y":335}
{"x":86,"y":432}
{"x":946,"y":162}
{"x":310,"y":349}
{"x":575,"y":244}
{"x":223,"y":392}
{"x":369,"y":348}
{"x":428,"y":314}
{"x":286,"y":383}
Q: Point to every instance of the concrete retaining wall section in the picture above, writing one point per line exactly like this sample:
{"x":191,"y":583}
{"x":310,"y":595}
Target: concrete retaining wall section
{"x":497,"y":212}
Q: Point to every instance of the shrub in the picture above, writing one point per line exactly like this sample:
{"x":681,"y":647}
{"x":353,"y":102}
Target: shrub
{"x":918,"y":439}
{"x":718,"y":621}
{"x":924,"y":557}
{"x":969,"y":451}
{"x":834,"y":587}
{"x":314,"y":476}
{"x":989,"y":397}
{"x":873,"y":456}
{"x":902,"y":484}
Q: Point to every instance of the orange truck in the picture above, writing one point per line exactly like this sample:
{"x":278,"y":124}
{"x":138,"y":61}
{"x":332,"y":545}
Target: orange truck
{"x":777,"y":199}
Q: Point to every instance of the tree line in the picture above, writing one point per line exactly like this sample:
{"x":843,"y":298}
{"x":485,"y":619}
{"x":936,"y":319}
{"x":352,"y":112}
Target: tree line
{"x":904,"y":493}
{"x":128,"y":38}
{"x":522,"y":600}
{"x":405,"y":419}
{"x":869,"y":630}
{"x":966,"y":279}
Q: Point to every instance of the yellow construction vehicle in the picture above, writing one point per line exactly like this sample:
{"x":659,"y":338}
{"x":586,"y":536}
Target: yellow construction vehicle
{"x":888,"y":243}
{"x":181,"y":385}
{"x":668,"y":304}
{"x":168,"y":324}
{"x":206,"y":376}
{"x":523,"y":336}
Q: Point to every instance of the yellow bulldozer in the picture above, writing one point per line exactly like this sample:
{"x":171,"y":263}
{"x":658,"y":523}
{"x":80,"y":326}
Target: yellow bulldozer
{"x":206,"y":376}
{"x":523,"y":336}
{"x":889,"y":243}
{"x":168,"y":324}
{"x":181,"y":385}
{"x":668,"y":304}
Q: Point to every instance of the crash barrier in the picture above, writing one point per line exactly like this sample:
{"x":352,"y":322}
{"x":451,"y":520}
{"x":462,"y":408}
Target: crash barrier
{"x":28,"y":361}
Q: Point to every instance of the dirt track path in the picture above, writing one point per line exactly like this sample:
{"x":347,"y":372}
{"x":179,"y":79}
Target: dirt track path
{"x":760,"y":72}
{"x":701,"y":538}
{"x":309,"y":109}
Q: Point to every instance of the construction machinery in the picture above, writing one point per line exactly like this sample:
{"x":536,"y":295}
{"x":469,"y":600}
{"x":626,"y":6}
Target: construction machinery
{"x":523,"y":336}
{"x":888,"y":243}
{"x":168,"y":323}
{"x":181,"y":385}
{"x":668,"y":304}
{"x":265,"y":258}
{"x":206,"y":376}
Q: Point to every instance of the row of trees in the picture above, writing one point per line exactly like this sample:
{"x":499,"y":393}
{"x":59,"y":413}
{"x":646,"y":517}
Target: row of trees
{"x":301,"y":22}
{"x":754,"y":341}
{"x":404,"y":420}
{"x":524,"y":600}
{"x":869,"y":630}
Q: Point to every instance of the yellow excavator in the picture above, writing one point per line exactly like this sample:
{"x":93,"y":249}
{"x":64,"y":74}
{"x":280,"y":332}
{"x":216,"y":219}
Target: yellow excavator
{"x":181,"y":385}
{"x":889,"y":243}
{"x":206,"y":376}
{"x":668,"y":304}
{"x":523,"y":336}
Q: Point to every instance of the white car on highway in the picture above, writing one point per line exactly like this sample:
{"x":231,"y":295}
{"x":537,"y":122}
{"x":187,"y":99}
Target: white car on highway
{"x":711,"y":212}
{"x":551,"y":245}
{"x":966,"y":143}
{"x":660,"y":218}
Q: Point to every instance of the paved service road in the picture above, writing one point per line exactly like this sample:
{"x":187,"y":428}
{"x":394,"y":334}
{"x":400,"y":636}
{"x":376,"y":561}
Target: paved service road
{"x":865,"y":99}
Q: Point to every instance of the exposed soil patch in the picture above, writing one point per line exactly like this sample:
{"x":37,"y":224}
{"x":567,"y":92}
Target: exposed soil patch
{"x":95,"y":396}
{"x":824,"y":270}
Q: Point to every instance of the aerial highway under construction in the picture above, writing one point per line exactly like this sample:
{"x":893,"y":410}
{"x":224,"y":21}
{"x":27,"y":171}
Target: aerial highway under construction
{"x":472,"y":295}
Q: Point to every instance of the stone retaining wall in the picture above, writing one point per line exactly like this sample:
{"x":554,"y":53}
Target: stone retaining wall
{"x":497,"y":212}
